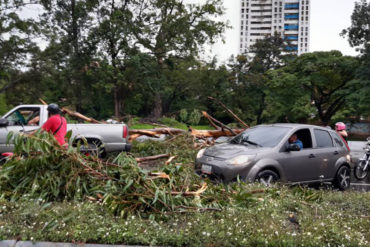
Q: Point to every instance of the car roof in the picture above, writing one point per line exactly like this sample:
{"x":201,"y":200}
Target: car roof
{"x":297,"y":125}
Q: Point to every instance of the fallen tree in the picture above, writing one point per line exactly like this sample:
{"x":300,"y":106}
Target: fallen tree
{"x":221,"y":130}
{"x":40,"y":169}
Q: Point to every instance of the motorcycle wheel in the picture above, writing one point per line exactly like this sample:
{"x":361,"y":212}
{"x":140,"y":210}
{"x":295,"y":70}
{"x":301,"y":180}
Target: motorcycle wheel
{"x":359,"y":172}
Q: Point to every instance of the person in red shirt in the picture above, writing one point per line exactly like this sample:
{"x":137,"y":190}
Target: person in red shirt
{"x":56,"y":124}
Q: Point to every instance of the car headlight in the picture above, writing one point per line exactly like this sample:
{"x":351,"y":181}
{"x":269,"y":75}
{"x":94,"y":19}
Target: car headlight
{"x":241,"y":160}
{"x":200,"y":153}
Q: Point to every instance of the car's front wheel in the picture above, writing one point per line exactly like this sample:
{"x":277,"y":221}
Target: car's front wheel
{"x":267,"y":177}
{"x":342,"y":179}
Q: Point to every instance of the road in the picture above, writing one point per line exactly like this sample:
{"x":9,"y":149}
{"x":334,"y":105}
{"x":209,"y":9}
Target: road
{"x":356,"y":153}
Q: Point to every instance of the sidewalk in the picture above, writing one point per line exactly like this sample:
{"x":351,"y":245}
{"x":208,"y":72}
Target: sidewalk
{"x":14,"y":243}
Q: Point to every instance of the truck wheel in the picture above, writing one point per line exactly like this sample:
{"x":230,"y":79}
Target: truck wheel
{"x":267,"y":177}
{"x":342,"y":179}
{"x":96,"y":148}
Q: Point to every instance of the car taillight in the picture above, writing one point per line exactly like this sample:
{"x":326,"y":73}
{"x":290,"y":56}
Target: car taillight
{"x":125,"y":131}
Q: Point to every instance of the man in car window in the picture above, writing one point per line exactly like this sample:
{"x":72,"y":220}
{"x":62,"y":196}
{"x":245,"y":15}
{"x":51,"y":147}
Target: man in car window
{"x":293,"y":139}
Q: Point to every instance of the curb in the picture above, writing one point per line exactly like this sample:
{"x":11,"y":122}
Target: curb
{"x":14,"y":243}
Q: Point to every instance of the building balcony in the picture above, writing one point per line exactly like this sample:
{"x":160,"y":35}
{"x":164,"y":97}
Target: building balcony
{"x":292,"y":6}
{"x":290,"y":27}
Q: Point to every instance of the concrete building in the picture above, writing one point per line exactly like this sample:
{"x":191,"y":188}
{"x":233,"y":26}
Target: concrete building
{"x":290,"y":18}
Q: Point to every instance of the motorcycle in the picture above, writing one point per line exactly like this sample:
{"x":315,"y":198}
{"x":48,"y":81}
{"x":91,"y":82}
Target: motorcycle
{"x":363,"y":166}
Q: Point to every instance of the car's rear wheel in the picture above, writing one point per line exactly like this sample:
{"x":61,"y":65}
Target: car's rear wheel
{"x":342,"y":179}
{"x":267,"y":177}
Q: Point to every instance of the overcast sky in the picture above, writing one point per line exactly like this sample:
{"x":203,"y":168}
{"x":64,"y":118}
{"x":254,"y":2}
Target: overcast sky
{"x":328,"y":19}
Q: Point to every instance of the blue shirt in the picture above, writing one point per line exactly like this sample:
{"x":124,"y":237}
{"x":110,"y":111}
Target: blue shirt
{"x":299,"y":143}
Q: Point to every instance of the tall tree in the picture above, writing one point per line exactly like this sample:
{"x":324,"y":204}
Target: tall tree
{"x":327,"y":77}
{"x":115,"y":46}
{"x":358,"y":35}
{"x":16,"y":42}
{"x":66,"y":24}
{"x":250,"y":74}
{"x":170,"y":27}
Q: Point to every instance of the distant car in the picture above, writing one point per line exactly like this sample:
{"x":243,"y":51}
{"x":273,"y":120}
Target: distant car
{"x":263,"y":153}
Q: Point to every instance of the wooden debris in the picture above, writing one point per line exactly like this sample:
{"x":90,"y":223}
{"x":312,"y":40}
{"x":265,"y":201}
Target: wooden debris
{"x":192,"y":193}
{"x":80,"y":116}
{"x":75,"y":114}
{"x":215,"y":133}
{"x":151,"y":158}
{"x":232,"y":113}
{"x":205,"y":114}
{"x":159,"y":175}
{"x":223,"y":126}
{"x":170,"y":160}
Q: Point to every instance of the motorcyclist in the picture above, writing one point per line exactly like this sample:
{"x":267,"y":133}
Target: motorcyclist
{"x":340,"y":128}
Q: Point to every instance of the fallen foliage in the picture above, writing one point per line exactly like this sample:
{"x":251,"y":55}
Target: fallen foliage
{"x":41,"y":169}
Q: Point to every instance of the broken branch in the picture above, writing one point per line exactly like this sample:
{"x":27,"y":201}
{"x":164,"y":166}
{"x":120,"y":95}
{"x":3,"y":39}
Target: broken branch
{"x":232,"y":113}
{"x":150,"y":158}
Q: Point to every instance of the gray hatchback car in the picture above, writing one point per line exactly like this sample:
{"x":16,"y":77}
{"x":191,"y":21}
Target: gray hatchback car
{"x":263,"y":153}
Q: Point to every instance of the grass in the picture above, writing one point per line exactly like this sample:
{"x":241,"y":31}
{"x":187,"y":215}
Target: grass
{"x":334,"y":219}
{"x":278,"y":216}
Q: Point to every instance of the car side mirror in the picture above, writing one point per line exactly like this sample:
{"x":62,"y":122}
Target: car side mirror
{"x":4,"y":122}
{"x":293,"y":147}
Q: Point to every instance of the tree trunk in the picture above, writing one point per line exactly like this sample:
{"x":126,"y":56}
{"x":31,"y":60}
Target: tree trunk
{"x":157,"y":110}
{"x":117,"y":102}
{"x":261,"y":109}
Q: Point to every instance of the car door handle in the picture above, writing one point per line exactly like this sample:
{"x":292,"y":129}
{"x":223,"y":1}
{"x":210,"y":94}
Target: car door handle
{"x":336,"y":152}
{"x":311,"y":156}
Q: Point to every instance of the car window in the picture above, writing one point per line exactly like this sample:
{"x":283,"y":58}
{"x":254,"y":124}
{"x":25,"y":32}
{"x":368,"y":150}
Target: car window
{"x":323,"y":138}
{"x":24,"y":116}
{"x":338,"y":141}
{"x":264,"y":136}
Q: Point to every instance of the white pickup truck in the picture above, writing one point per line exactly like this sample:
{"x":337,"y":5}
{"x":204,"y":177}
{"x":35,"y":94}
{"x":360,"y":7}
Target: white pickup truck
{"x":106,"y":137}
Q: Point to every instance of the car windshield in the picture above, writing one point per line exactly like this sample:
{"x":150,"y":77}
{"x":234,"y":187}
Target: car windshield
{"x":262,"y":136}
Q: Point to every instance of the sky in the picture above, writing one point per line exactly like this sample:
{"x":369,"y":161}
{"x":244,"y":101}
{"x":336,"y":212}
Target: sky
{"x":328,"y":19}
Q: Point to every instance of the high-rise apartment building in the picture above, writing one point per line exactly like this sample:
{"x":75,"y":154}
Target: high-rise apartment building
{"x":290,"y":18}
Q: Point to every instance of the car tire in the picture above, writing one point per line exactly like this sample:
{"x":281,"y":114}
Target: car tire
{"x":267,"y":177}
{"x":359,"y":172}
{"x":342,"y":179}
